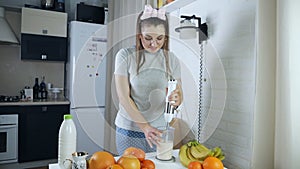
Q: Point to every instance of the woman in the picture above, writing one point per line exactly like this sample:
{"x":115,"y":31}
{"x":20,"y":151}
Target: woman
{"x":141,"y":76}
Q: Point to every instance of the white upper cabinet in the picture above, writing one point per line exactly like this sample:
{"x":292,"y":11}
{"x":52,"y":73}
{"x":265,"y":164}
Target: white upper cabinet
{"x":177,"y":4}
{"x":44,"y":22}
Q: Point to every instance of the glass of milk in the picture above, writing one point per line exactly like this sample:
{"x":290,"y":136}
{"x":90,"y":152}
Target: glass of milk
{"x":164,"y":149}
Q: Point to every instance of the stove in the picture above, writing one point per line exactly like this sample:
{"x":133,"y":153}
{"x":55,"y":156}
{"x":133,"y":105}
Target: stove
{"x":9,"y":98}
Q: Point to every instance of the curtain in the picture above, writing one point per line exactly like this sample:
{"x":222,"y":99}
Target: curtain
{"x":287,"y":137}
{"x":121,"y":34}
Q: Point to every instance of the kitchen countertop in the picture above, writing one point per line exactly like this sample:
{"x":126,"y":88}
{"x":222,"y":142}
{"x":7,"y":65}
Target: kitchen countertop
{"x":37,"y":102}
{"x":158,"y":164}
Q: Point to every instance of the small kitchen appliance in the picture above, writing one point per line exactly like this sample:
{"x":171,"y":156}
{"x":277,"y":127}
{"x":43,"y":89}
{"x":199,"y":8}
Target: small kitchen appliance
{"x":4,"y":98}
{"x":169,"y":109}
{"x":90,"y":13}
{"x":8,"y":138}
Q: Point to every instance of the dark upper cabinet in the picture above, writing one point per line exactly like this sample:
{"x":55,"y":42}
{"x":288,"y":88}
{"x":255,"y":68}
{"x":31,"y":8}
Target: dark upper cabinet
{"x":43,"y":35}
{"x":37,"y":47}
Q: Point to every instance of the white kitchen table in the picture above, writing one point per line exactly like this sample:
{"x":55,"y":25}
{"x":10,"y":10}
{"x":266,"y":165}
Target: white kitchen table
{"x":158,"y":164}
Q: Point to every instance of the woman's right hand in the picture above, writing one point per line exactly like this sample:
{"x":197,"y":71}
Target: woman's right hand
{"x":152,"y":134}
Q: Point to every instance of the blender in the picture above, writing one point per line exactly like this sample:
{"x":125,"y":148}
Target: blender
{"x":169,"y":108}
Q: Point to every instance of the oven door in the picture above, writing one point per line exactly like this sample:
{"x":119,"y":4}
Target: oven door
{"x":8,"y":143}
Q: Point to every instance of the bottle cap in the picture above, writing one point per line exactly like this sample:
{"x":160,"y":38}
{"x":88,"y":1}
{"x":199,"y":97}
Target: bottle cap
{"x":67,"y":116}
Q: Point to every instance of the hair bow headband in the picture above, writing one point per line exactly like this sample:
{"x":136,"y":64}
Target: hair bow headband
{"x":150,"y":12}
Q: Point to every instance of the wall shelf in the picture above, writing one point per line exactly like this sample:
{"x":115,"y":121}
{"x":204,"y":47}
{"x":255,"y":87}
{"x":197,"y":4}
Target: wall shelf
{"x":177,"y":4}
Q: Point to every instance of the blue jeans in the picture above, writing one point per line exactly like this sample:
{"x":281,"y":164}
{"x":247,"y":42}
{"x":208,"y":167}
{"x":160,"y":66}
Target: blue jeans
{"x":128,"y":138}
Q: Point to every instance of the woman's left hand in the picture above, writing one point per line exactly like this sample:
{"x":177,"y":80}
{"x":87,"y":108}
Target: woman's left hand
{"x":152,"y":134}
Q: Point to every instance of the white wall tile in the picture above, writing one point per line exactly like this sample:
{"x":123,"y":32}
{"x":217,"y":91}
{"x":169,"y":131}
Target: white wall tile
{"x":232,"y":43}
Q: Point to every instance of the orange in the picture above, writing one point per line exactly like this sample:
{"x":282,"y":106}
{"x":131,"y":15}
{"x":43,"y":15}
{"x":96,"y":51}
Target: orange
{"x":129,"y":162}
{"x":139,"y":153}
{"x":101,"y":160}
{"x":114,"y":166}
{"x":212,"y":163}
{"x":195,"y":165}
{"x":147,"y":164}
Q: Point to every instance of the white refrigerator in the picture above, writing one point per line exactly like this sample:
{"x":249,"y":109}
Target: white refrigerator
{"x":86,"y":81}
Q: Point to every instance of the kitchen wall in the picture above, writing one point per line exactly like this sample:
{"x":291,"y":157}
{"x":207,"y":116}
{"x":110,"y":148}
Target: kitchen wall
{"x":275,"y":63}
{"x":232,"y":43}
{"x":233,"y":36}
{"x":15,"y":73}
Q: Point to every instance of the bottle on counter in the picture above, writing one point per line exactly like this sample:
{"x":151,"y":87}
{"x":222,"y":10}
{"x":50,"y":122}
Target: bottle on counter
{"x":36,"y":89}
{"x":43,"y":91}
{"x":66,"y":141}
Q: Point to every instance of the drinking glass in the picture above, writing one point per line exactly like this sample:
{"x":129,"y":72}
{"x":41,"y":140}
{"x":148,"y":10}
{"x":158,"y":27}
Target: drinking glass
{"x":164,"y":149}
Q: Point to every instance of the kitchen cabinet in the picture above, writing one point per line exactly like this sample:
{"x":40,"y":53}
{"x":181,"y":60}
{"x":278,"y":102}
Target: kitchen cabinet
{"x":38,"y":132}
{"x":44,"y":22}
{"x":38,"y":127}
{"x":43,"y":35}
{"x":46,"y":48}
{"x":177,"y":4}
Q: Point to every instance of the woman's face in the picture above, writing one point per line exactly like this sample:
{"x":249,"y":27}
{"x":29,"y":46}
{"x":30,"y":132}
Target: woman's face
{"x":152,"y":37}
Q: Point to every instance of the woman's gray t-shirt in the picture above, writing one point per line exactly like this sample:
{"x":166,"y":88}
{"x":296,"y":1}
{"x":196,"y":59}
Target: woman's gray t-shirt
{"x":148,"y":87}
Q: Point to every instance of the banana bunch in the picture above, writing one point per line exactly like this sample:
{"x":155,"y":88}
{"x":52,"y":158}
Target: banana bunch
{"x":195,"y":151}
{"x":217,"y":152}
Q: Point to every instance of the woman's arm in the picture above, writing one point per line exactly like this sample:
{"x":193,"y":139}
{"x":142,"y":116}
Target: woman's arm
{"x":123,"y":92}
